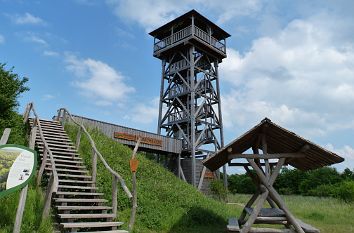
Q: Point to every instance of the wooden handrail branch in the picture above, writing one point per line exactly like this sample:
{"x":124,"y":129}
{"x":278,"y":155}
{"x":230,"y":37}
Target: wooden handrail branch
{"x":53,"y":180}
{"x":96,"y":152}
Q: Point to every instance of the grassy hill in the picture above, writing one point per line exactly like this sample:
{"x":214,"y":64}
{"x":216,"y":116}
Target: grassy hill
{"x":165,"y":203}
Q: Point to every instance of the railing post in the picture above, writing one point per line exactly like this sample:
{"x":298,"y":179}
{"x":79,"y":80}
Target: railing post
{"x":114,"y":195}
{"x":5,"y":136}
{"x":27,"y":112}
{"x":23,"y":195}
{"x":94,"y":166}
{"x":78,"y":139}
{"x":41,"y":169}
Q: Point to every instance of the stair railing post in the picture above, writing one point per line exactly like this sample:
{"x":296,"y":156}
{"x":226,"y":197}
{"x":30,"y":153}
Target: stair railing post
{"x":41,"y":169}
{"x":78,"y":138}
{"x":133,"y":167}
{"x":114,"y":195}
{"x":94,"y":166}
{"x":23,"y":194}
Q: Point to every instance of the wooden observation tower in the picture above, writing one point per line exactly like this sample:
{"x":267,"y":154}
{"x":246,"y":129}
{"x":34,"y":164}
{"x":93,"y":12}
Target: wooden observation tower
{"x":191,"y":48}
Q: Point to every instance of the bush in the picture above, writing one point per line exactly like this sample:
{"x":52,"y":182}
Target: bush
{"x":218,"y":189}
{"x":325,"y":190}
{"x":345,"y":191}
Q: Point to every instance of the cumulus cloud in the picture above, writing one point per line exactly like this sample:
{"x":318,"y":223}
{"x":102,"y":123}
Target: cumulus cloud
{"x":98,"y":81}
{"x":27,"y":18}
{"x":145,"y":113}
{"x":302,"y":77}
{"x":161,"y":11}
{"x":347,"y":152}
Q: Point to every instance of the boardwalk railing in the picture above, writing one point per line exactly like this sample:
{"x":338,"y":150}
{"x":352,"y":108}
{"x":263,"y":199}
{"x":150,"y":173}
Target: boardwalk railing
{"x":63,"y":115}
{"x":186,"y":32}
{"x":53,"y":179}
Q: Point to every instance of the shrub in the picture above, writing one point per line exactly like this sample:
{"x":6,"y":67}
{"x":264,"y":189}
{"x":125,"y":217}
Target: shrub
{"x":345,"y":191}
{"x":218,"y":189}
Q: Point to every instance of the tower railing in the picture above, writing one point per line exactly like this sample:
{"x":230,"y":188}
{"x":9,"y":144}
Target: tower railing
{"x":186,"y":32}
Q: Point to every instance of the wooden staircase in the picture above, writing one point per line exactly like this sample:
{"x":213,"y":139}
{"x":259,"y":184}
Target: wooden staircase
{"x":77,"y":205}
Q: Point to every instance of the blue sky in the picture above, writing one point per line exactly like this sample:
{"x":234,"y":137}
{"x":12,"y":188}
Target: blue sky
{"x":290,"y":61}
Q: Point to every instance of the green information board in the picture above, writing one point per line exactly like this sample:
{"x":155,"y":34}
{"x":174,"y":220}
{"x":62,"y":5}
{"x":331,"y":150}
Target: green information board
{"x":17,"y":166}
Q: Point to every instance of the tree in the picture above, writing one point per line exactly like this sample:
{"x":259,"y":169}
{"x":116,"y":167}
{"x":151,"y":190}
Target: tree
{"x":11,"y":86}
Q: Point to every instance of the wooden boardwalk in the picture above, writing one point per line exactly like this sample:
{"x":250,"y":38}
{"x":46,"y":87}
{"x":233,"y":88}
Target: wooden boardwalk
{"x":128,"y":136}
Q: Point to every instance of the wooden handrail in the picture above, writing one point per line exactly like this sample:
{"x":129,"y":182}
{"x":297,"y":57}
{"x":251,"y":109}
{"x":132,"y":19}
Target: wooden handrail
{"x":54,"y":180}
{"x":93,"y":145}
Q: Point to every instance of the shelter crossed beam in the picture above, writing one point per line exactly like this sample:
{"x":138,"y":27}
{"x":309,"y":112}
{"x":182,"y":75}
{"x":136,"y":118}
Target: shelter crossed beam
{"x":264,"y":180}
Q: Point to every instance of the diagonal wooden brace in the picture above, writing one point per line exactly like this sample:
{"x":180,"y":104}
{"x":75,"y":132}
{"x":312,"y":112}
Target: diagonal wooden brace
{"x":263,"y":196}
{"x":273,"y":193}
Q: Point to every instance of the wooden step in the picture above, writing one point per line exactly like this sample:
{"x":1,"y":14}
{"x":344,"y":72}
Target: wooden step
{"x":65,"y":165}
{"x":90,"y":224}
{"x":78,"y":194}
{"x":66,"y":161}
{"x":233,"y":225}
{"x":57,"y":149}
{"x":64,"y":158}
{"x":51,"y":122}
{"x":76,"y":181}
{"x":112,"y":231}
{"x":60,"y":170}
{"x":50,"y":139}
{"x":83,"y":207}
{"x":76,"y":187}
{"x":63,"y":153}
{"x":80,"y":200}
{"x":55,"y":145}
{"x":74,"y":176}
{"x":60,"y":137}
{"x":85,"y":216}
{"x":54,"y":130}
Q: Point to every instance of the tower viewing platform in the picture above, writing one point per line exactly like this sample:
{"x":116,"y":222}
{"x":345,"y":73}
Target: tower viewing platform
{"x":191,"y":27}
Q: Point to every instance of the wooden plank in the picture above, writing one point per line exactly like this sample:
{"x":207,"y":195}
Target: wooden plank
{"x":233,"y":225}
{"x":307,"y":227}
{"x":83,"y":207}
{"x":5,"y":136}
{"x":265,"y":156}
{"x":90,"y":224}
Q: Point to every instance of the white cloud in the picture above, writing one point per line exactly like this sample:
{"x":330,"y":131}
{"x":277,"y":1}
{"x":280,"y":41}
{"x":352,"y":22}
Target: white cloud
{"x":47,"y":97}
{"x":161,"y":11}
{"x":27,"y":18}
{"x":145,"y":113}
{"x":2,"y":39}
{"x":50,"y":53}
{"x":31,"y":37}
{"x":347,"y":152}
{"x":98,"y":81}
{"x":302,"y":77}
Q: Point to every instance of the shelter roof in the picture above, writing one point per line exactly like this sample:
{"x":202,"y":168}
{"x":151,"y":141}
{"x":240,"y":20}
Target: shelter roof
{"x":279,"y":140}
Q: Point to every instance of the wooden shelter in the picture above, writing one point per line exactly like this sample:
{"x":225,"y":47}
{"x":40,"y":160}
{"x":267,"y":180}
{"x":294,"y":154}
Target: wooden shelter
{"x":279,"y":147}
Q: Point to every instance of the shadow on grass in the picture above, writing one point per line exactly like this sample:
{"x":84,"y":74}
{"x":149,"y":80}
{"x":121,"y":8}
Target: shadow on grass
{"x":197,"y":220}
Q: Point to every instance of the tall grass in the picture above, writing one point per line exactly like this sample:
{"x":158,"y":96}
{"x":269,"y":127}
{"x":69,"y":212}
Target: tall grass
{"x":32,"y":218}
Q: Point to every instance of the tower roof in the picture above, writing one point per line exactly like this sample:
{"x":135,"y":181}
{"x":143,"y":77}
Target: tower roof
{"x":218,"y":32}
